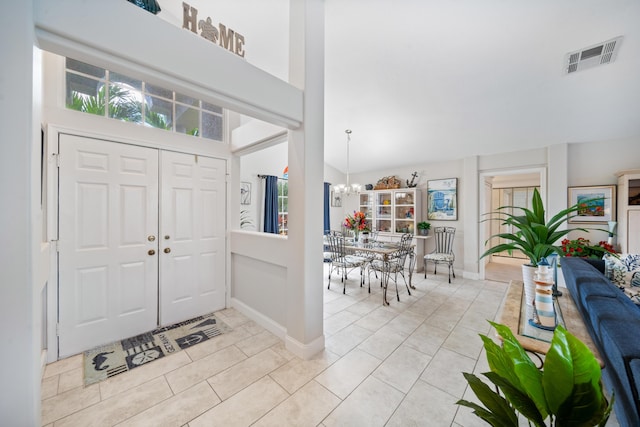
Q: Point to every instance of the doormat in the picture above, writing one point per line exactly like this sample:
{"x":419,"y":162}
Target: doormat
{"x":112,"y":359}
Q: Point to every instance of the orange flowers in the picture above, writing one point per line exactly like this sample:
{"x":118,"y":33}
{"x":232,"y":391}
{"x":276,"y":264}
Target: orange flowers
{"x":356,"y":222}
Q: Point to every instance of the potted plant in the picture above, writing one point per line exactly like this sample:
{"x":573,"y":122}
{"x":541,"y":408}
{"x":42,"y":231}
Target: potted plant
{"x":424,"y":227}
{"x":567,"y":392}
{"x":531,"y":235}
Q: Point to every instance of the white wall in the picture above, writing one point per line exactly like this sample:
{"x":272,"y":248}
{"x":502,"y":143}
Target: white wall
{"x":596,"y":163}
{"x":20,"y":259}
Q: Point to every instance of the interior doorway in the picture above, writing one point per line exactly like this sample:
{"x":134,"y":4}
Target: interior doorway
{"x":502,"y":188}
{"x":141,"y":240}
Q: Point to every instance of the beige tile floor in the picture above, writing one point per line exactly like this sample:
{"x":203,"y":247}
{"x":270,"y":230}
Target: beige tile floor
{"x":395,"y":366}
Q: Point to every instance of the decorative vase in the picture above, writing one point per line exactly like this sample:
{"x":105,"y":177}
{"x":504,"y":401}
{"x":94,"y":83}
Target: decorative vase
{"x":612,"y":229}
{"x":356,"y":236}
{"x":529,"y":285}
{"x":424,"y":231}
{"x":543,"y":278}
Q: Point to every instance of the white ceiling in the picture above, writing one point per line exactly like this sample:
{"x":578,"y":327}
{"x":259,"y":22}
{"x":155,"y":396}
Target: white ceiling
{"x":421,"y":81}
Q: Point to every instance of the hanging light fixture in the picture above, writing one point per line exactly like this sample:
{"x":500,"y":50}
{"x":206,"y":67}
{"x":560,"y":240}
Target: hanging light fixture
{"x":347,"y":189}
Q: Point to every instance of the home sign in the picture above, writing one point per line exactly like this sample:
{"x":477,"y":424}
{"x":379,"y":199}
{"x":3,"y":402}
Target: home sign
{"x":220,"y":35}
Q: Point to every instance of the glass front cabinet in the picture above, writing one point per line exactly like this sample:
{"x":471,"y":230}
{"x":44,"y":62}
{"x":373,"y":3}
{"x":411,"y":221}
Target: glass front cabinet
{"x":392,"y":211}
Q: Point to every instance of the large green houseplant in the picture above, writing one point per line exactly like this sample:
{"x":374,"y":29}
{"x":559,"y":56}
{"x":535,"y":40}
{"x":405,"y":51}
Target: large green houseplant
{"x":567,"y":392}
{"x":530,"y":233}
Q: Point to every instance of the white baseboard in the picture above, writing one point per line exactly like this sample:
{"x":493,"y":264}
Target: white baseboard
{"x":303,"y":351}
{"x":262,"y":320}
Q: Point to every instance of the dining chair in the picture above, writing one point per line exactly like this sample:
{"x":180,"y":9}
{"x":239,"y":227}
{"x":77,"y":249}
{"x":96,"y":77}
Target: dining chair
{"x":392,"y":266}
{"x":443,"y":252}
{"x":341,"y":261}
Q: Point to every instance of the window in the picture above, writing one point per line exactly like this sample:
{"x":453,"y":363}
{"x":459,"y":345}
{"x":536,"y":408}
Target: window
{"x":95,"y":90}
{"x":283,"y":206}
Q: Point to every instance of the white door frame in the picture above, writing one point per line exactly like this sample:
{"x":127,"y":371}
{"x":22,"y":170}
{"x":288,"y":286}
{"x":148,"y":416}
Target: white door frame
{"x":482,"y":190}
{"x":52,"y":132}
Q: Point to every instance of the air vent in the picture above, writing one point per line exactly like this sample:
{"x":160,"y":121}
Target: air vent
{"x":599,"y":54}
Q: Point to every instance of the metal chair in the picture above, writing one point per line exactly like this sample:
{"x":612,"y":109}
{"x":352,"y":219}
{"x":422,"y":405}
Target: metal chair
{"x":341,"y":261}
{"x":392,"y":266}
{"x":443,"y":253}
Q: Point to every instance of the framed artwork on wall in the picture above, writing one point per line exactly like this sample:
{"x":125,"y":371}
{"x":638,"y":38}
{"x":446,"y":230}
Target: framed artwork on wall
{"x":336,"y":199}
{"x":598,"y":204}
{"x":245,"y":193}
{"x":442,"y":203}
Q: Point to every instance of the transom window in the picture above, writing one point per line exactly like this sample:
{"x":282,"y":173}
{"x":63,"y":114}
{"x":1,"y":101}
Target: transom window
{"x":95,"y":90}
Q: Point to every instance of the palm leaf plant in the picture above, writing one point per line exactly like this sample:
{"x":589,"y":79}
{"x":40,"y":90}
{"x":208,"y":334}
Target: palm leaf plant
{"x":529,"y":233}
{"x":567,"y":392}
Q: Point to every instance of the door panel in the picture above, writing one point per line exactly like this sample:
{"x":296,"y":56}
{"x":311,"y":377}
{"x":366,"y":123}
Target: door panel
{"x":192,"y":274}
{"x":108,"y":204}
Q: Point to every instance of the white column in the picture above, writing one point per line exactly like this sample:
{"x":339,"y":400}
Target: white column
{"x":471,"y":222}
{"x":20,"y":368}
{"x":306,"y":167}
{"x":558,"y":161}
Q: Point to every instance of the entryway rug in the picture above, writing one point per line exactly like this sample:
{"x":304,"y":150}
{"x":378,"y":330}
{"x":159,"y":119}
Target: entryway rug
{"x":112,"y":359}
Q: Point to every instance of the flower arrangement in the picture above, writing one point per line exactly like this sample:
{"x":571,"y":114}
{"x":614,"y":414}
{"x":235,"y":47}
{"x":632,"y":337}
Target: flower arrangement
{"x":356,"y":222}
{"x":583,"y":248}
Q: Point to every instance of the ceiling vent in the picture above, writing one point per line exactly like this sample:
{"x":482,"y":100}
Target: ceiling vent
{"x":599,"y":54}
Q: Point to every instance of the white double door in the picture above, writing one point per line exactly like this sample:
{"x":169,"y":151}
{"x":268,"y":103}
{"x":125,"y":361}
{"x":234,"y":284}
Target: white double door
{"x":141,"y":240}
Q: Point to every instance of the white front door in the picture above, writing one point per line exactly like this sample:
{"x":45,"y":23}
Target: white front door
{"x":192,"y":230}
{"x":108,"y":224}
{"x":139,"y":230}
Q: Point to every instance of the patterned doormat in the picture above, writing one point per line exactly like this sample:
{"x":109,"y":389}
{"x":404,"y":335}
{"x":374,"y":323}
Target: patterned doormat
{"x":112,"y":359}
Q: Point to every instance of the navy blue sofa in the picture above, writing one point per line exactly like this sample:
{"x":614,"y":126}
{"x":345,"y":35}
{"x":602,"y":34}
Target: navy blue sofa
{"x":613,"y":321}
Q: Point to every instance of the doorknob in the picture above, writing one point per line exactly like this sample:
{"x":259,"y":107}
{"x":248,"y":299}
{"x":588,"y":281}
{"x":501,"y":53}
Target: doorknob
{"x":151,"y":252}
{"x":151,"y":238}
{"x":167,"y":237}
{"x":167,"y":250}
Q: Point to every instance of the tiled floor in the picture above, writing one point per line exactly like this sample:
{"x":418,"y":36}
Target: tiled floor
{"x":396,"y":366}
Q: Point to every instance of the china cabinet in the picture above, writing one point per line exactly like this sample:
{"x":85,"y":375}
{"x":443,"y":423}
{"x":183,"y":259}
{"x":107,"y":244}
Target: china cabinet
{"x":628,"y":233}
{"x":391,"y":212}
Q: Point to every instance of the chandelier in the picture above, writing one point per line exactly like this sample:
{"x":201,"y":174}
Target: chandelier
{"x":347,"y":189}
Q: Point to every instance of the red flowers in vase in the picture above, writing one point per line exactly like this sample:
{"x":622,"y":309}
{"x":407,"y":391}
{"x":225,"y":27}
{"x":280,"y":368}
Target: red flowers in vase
{"x":356,"y":222}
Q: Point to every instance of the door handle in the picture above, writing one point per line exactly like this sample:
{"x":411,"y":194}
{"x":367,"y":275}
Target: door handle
{"x":167,"y":250}
{"x":151,"y":252}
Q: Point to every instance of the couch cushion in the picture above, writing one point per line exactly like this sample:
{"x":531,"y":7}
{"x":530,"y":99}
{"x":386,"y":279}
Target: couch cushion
{"x":622,"y":352}
{"x":600,"y":308}
{"x":596,"y":287}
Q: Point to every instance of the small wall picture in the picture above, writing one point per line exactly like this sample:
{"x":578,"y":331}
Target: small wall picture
{"x":245,"y":193}
{"x":442,"y":199}
{"x":597,"y":203}
{"x":336,"y":199}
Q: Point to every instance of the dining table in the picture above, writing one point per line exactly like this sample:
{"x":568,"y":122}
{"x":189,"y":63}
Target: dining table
{"x":384,"y":251}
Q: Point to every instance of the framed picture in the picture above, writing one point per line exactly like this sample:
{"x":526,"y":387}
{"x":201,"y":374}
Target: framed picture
{"x":336,"y":199}
{"x":598,"y":203}
{"x":245,"y":193}
{"x":442,"y":201}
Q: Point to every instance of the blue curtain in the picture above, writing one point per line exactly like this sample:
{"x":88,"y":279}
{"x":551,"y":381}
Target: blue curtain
{"x":271,"y":204}
{"x":327,"y":219}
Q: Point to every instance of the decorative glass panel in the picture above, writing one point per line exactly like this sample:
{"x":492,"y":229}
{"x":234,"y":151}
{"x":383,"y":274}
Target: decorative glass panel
{"x":158,"y":91}
{"x":124,"y":104}
{"x":85,"y":94}
{"x":187,"y":100}
{"x":187,"y":120}
{"x":211,"y":107}
{"x":81,"y":67}
{"x":159,"y":113}
{"x":211,"y":126}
